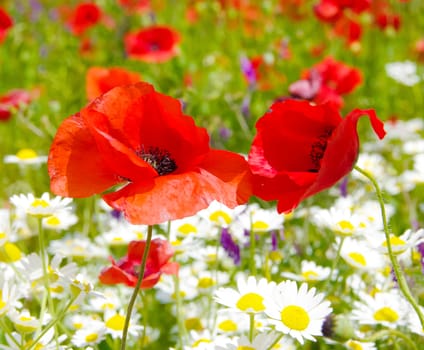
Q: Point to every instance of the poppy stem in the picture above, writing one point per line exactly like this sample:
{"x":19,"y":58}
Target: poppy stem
{"x":403,"y":285}
{"x":137,"y":286}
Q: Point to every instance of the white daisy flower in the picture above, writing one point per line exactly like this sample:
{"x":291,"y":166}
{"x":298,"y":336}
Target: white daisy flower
{"x":77,"y":245}
{"x":387,"y":308}
{"x":62,"y":220}
{"x":219,"y":214}
{"x":260,"y":342}
{"x":46,"y":342}
{"x":248,"y":297}
{"x":40,"y":207}
{"x":399,"y":244}
{"x":9,"y":296}
{"x":91,"y":334}
{"x":299,"y":313}
{"x":121,"y":233}
{"x":260,"y":220}
{"x":25,"y":156}
{"x":358,"y":254}
{"x":24,"y":322}
{"x":359,"y":345}
{"x":115,"y":321}
{"x":230,"y":322}
{"x":403,"y":72}
{"x":310,"y":272}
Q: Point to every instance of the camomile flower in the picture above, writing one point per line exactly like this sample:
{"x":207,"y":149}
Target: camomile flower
{"x":404,"y":72}
{"x":9,"y":295}
{"x":62,"y":220}
{"x":359,"y":255}
{"x":359,"y":345}
{"x":414,"y":322}
{"x":260,"y":220}
{"x":46,"y":342}
{"x":310,"y":272}
{"x":260,"y":342}
{"x":109,"y":300}
{"x":23,"y":321}
{"x":248,"y":297}
{"x":219,"y":214}
{"x":298,"y":312}
{"x":399,"y":244}
{"x":114,"y":322}
{"x":41,"y":207}
{"x":231,"y":322}
{"x":372,"y":163}
{"x":91,"y":334}
{"x":77,"y":245}
{"x":386,"y":308}
{"x":25,"y":156}
{"x":121,"y":232}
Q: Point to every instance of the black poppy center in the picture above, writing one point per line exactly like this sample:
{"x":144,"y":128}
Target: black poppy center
{"x":318,"y":149}
{"x":159,"y":159}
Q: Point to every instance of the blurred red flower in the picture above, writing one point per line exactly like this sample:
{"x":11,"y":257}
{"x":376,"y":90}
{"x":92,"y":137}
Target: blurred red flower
{"x":139,"y":6}
{"x":6,"y":23}
{"x":13,"y":100}
{"x":83,"y":17}
{"x":100,"y":80}
{"x":326,"y":82}
{"x":152,"y":44}
{"x":126,"y":270}
{"x":301,"y":149}
{"x":139,"y":139}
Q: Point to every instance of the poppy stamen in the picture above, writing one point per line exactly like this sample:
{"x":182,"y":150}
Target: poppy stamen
{"x":159,"y":159}
{"x":318,"y":150}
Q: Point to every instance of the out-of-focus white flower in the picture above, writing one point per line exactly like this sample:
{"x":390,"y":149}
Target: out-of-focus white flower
{"x":403,"y":72}
{"x":25,"y":156}
{"x":43,"y":206}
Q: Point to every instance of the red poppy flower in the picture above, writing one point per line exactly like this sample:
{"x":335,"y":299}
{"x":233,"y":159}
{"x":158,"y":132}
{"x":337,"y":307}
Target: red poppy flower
{"x":100,"y":80}
{"x":140,"y":139}
{"x":153,"y":44}
{"x":301,"y":149}
{"x":83,"y":17}
{"x":6,"y":23}
{"x":14,"y":99}
{"x":126,"y":269}
{"x":139,"y":6}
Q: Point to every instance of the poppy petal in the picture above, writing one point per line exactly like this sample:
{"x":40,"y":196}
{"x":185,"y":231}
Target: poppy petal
{"x":74,"y":165}
{"x":175,"y":196}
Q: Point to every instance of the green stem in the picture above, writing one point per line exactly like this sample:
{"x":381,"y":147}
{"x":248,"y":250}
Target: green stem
{"x":390,"y":332}
{"x":52,"y":323}
{"x":252,"y":252}
{"x":7,"y":330}
{"x":335,"y":261}
{"x":137,"y":286}
{"x":403,"y":285}
{"x":44,"y":262}
{"x":180,"y":322}
{"x":251,"y":327}
{"x":275,"y":342}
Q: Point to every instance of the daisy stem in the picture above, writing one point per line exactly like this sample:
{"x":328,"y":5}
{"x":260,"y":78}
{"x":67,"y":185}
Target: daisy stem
{"x":52,"y":323}
{"x":180,"y":322}
{"x":336,"y":260}
{"x":251,"y":326}
{"x":252,"y":252}
{"x":275,"y":342}
{"x":43,"y":256}
{"x":5,"y":327}
{"x":137,"y":286}
{"x":403,"y":285}
{"x":390,"y":332}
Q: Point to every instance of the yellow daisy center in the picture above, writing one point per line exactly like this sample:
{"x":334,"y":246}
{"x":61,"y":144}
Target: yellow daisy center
{"x":295,"y":317}
{"x":386,"y":314}
{"x":39,"y":203}
{"x":205,"y":282}
{"x":358,"y":258}
{"x":91,"y":337}
{"x":354,"y":345}
{"x":309,"y":275}
{"x":260,"y":226}
{"x":244,"y":347}
{"x":346,"y":227}
{"x":187,"y":229}
{"x":200,"y":341}
{"x":193,"y":323}
{"x":116,"y":322}
{"x":395,"y":241}
{"x":26,"y":153}
{"x":228,"y":326}
{"x":251,"y":301}
{"x":219,"y":215}
{"x":53,"y":221}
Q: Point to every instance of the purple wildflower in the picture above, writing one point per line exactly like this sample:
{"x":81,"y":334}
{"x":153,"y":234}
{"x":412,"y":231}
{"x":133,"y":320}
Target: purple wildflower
{"x":231,"y":247}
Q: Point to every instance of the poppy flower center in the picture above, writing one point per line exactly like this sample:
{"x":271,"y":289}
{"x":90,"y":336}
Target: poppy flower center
{"x":318,"y":150}
{"x":159,"y":159}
